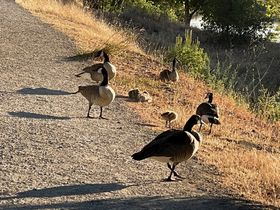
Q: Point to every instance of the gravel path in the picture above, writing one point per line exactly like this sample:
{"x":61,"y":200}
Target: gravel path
{"x":53,"y":157}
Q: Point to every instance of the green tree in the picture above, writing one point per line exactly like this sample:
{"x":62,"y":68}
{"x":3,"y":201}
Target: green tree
{"x":272,"y":8}
{"x":185,"y":9}
{"x":243,"y":19}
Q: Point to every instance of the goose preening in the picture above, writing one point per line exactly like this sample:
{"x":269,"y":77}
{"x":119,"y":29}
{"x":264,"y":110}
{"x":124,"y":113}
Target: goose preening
{"x":101,"y":95}
{"x":167,"y":75}
{"x":169,"y":116}
{"x":93,"y":69}
{"x":173,"y":146}
{"x":209,"y":112}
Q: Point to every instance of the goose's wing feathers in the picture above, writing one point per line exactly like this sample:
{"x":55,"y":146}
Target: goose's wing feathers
{"x":90,"y":92}
{"x":93,"y":68}
{"x":207,"y":109}
{"x":168,"y":144}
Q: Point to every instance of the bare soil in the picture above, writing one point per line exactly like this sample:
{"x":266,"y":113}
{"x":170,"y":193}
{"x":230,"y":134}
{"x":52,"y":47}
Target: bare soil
{"x":53,"y":157}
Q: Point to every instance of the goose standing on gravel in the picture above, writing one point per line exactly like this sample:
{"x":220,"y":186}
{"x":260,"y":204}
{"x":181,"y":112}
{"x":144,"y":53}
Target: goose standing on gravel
{"x":93,"y":69}
{"x":101,"y":95}
{"x":167,"y":75}
{"x":209,"y":112}
{"x":173,"y":146}
{"x":169,"y":116}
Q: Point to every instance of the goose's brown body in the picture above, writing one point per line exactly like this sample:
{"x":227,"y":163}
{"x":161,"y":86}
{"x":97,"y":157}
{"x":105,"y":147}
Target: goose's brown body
{"x":167,"y":75}
{"x":173,"y":146}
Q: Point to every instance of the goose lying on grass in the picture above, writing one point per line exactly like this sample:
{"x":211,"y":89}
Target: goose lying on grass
{"x":167,"y":75}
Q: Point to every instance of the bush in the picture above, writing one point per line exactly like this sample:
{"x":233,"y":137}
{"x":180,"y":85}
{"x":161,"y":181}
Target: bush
{"x":268,"y":105}
{"x":192,"y":58}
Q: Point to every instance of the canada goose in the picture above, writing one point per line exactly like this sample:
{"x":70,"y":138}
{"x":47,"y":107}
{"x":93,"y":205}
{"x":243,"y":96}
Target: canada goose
{"x":101,"y":95}
{"x":209,"y":112}
{"x":169,"y":116}
{"x":173,"y":146}
{"x":167,"y":75}
{"x":93,"y":69}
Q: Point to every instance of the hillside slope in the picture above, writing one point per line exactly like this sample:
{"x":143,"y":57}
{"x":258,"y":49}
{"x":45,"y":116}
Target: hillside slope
{"x":53,"y":157}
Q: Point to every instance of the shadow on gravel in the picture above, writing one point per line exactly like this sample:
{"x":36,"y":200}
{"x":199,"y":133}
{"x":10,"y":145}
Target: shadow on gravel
{"x":68,"y":190}
{"x":36,"y":116}
{"x":204,"y":202}
{"x":147,"y":124}
{"x":41,"y":91}
{"x":79,"y":57}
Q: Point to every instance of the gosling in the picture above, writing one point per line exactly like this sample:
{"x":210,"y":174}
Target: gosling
{"x":100,"y":95}
{"x":209,"y":112}
{"x":134,"y":94}
{"x":138,"y":96}
{"x":167,"y":75}
{"x":173,"y":146}
{"x":169,"y":116}
{"x":93,"y":69}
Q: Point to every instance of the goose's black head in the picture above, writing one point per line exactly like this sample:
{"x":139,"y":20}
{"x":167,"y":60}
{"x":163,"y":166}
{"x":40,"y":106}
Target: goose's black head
{"x":102,"y":53}
{"x":194,"y":119}
{"x":105,"y":76}
{"x":210,"y":97}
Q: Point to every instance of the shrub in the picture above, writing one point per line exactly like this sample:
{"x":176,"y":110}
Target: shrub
{"x":192,"y":58}
{"x":268,"y":105}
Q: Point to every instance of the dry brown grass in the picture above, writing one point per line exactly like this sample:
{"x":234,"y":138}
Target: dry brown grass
{"x":81,"y":26}
{"x":246,"y":149}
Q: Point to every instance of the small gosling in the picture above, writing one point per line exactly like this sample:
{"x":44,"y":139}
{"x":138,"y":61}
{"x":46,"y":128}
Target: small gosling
{"x":134,"y":94}
{"x":167,"y":75}
{"x":138,"y":96}
{"x":169,"y":116}
{"x":101,"y":95}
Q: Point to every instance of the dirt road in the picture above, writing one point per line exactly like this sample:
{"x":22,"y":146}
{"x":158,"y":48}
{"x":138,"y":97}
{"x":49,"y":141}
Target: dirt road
{"x":52,"y":157}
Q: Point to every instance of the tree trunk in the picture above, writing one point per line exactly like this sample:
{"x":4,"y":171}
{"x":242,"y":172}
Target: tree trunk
{"x":188,"y":15}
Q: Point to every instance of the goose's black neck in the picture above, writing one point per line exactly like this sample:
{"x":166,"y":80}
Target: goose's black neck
{"x":194,"y":119}
{"x":106,"y":57}
{"x":189,"y":125}
{"x":174,"y":65}
{"x":210,"y":98}
{"x":105,"y":77}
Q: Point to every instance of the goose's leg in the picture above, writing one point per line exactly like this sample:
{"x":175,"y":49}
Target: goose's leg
{"x":169,"y":177}
{"x":169,"y":124}
{"x":175,"y":173}
{"x":100,"y":116}
{"x":89,"y":107}
{"x":210,"y":129}
{"x":200,"y":127}
{"x":166,"y":123}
